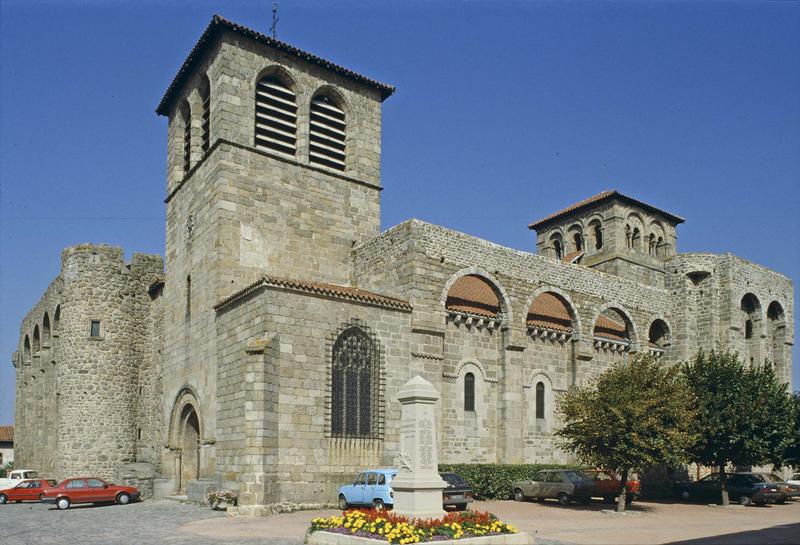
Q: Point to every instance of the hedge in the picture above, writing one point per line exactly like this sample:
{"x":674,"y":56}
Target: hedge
{"x":493,"y":481}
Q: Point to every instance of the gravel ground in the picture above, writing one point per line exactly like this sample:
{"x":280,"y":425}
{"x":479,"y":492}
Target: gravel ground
{"x":172,"y":523}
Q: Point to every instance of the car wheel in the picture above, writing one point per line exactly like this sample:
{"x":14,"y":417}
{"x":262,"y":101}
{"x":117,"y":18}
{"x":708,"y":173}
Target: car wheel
{"x":123,"y":498}
{"x":685,"y":495}
{"x":378,"y":505}
{"x":343,"y":502}
{"x":745,"y":500}
{"x":519,"y":495}
{"x":3,"y":499}
{"x":563,"y":498}
{"x":780,"y":502}
{"x":62,"y":503}
{"x":461,"y":507}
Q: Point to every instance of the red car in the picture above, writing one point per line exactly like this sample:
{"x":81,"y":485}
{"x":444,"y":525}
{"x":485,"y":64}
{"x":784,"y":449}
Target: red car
{"x":88,"y":490}
{"x":27,"y":490}
{"x":609,"y":486}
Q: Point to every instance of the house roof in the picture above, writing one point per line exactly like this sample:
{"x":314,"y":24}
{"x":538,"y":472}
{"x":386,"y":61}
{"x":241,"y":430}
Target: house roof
{"x":321,"y":288}
{"x":219,"y":24}
{"x":7,"y":434}
{"x":549,"y":311}
{"x":473,"y":295}
{"x":596,"y":199}
{"x":609,"y":328}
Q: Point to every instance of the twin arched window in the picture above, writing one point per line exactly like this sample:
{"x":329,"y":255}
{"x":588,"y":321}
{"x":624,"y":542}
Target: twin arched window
{"x":276,"y":123}
{"x":355,"y":385}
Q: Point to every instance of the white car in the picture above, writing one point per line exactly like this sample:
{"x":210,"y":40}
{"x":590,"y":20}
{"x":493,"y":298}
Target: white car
{"x":794,"y":482}
{"x":16,"y":477}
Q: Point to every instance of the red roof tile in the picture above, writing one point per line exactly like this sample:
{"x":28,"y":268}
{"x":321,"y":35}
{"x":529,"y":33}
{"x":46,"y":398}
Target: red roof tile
{"x":600,"y":197}
{"x":610,"y":328}
{"x":7,"y":434}
{"x":218,"y":24}
{"x":550,"y":312}
{"x":573,"y":257}
{"x":323,"y":288}
{"x":474,"y":295}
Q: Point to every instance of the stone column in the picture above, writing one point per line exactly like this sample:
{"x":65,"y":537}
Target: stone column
{"x":418,"y":487}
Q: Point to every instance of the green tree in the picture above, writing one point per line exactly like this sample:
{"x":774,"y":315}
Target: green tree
{"x":632,"y":416}
{"x":791,"y":455}
{"x":744,"y":413}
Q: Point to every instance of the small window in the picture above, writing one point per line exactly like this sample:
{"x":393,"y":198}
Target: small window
{"x":748,"y":329}
{"x":95,"y":329}
{"x":372,"y":479}
{"x":598,"y":237}
{"x":188,"y":314}
{"x":327,"y":133}
{"x":469,"y":392}
{"x":540,"y":400}
{"x":578,"y":242}
{"x":381,"y":479}
{"x":558,"y":250}
{"x":139,"y":434}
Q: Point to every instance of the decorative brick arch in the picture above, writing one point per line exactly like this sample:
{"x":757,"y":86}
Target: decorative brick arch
{"x":186,"y":396}
{"x":466,"y":363}
{"x":577,"y":327}
{"x":627,"y":316}
{"x":506,"y":313}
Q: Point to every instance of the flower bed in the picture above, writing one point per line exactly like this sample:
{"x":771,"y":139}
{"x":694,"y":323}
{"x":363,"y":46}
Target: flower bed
{"x":393,"y":528}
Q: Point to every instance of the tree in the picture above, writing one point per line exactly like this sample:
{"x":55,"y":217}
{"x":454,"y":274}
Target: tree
{"x":744,"y":413}
{"x":632,"y":416}
{"x":791,"y":456}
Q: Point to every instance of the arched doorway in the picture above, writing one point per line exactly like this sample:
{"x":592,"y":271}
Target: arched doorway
{"x":190,"y":446}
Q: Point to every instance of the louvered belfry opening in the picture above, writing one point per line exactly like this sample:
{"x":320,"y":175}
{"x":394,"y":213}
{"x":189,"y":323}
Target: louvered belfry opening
{"x":327,"y":133}
{"x":276,"y":116}
{"x":205,"y":96}
{"x":187,"y":137}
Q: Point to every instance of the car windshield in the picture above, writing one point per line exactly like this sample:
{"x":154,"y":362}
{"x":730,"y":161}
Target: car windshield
{"x":453,"y":480}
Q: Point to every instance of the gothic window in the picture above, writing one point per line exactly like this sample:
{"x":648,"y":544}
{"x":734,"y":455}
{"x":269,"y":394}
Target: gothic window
{"x":205,"y":97}
{"x":276,"y":116}
{"x":355,"y":385}
{"x":540,"y":400}
{"x":186,"y":117}
{"x":469,"y":392}
{"x":327,"y":133}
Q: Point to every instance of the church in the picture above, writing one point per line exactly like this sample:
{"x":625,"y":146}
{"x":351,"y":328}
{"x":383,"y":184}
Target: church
{"x":264,"y":351}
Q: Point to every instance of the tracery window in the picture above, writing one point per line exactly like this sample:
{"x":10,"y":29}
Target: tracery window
{"x":355,"y":385}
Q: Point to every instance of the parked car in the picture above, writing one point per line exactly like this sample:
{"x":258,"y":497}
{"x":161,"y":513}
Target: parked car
{"x":794,"y":482}
{"x":17,"y":476}
{"x":784,"y":487}
{"x":458,"y":492}
{"x":608,"y":486}
{"x":370,"y":487}
{"x":565,"y":485}
{"x":88,"y":490}
{"x":30,"y":490}
{"x":745,"y":487}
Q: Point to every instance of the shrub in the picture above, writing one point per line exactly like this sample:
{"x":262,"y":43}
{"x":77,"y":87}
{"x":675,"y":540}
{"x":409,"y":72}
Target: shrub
{"x":493,"y":481}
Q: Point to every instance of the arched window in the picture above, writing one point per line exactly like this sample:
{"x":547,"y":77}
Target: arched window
{"x":36,"y":341}
{"x":636,"y":239}
{"x":628,"y":237}
{"x":469,"y":392}
{"x":327,"y":133}
{"x":26,"y":349}
{"x":57,"y":318}
{"x":473,"y":294}
{"x":651,"y":244}
{"x":661,"y":248}
{"x":598,"y":236}
{"x":658,"y":335}
{"x":188,"y":297}
{"x":186,"y":118}
{"x":558,"y":250}
{"x":540,"y":400}
{"x":46,"y":329}
{"x":578,"y":242}
{"x":276,"y":116}
{"x":355,"y":385}
{"x":205,"y":97}
{"x":750,"y":307}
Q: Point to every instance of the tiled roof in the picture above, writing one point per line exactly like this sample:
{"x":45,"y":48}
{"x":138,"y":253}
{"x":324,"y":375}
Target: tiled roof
{"x":550,"y":312}
{"x":322,"y":288}
{"x":600,"y":197}
{"x":573,"y":257}
{"x":474,"y":295}
{"x":609,"y":328}
{"x":219,"y":24}
{"x":7,"y":434}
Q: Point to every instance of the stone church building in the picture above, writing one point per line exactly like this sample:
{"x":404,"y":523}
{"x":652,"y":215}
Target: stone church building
{"x":264,"y":351}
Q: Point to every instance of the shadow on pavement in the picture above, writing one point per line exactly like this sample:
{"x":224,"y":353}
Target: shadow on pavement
{"x":597,"y":506}
{"x":785,"y":534}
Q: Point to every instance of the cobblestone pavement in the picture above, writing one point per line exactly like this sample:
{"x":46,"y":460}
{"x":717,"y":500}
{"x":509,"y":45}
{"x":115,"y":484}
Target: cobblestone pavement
{"x":171,"y":523}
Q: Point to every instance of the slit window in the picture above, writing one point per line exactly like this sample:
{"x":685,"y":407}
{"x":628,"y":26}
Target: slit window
{"x":94,"y":328}
{"x":276,"y":116}
{"x":186,"y":114}
{"x":327,"y":133}
{"x":469,"y":392}
{"x":205,"y":97}
{"x":540,"y":400}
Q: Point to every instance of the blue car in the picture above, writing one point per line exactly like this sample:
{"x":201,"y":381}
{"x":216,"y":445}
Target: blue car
{"x":370,"y":488}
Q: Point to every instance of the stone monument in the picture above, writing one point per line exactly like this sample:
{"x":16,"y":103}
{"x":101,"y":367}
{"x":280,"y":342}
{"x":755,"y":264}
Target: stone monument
{"x":418,"y":486}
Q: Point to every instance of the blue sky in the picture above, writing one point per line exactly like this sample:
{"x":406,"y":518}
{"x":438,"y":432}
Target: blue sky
{"x":505,"y":112}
